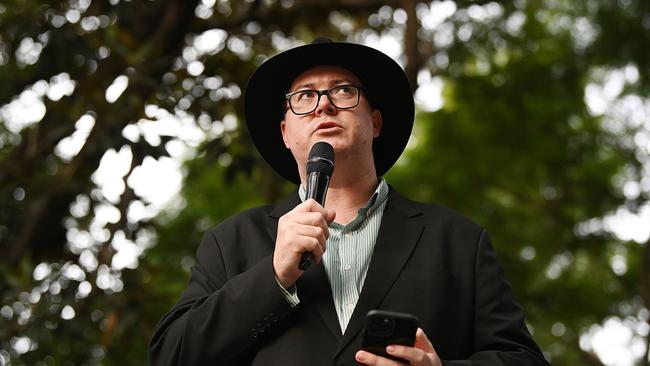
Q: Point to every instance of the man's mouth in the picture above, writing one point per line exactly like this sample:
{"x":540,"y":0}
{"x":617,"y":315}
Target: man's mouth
{"x":327,"y":126}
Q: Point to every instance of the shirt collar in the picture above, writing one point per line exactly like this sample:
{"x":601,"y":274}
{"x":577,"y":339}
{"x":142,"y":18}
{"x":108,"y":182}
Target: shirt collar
{"x":378,"y":197}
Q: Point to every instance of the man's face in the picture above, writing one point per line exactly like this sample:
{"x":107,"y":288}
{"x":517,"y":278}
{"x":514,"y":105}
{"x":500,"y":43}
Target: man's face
{"x":349,"y":131}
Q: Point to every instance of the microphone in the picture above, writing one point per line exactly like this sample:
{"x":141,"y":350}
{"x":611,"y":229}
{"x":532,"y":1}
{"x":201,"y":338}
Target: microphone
{"x":320,"y":166}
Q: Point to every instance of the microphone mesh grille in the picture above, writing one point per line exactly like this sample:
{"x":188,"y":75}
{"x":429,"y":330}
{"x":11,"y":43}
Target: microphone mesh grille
{"x":321,"y":158}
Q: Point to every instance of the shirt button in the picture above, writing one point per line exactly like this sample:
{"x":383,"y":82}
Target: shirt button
{"x":347,"y":267}
{"x":350,"y":306}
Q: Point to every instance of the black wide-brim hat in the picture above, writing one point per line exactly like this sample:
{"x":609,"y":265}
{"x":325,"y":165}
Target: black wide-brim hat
{"x":385,"y":85}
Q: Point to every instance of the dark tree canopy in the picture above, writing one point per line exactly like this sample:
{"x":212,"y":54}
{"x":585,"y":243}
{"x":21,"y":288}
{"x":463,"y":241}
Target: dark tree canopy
{"x":539,"y":133}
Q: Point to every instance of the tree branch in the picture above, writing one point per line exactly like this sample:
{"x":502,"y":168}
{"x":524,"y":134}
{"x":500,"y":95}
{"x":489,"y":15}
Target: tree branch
{"x":413,"y":56}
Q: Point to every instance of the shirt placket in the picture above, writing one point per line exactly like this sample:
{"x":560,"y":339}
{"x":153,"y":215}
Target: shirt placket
{"x":347,"y":270}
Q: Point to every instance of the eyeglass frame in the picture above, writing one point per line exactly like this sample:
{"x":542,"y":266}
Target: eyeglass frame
{"x":320,"y":93}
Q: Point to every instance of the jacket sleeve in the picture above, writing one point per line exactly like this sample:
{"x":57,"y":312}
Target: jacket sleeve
{"x":500,"y":334}
{"x":220,"y":317}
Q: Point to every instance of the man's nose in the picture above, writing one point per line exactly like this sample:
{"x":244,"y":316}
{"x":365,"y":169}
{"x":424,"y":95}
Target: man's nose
{"x":325,"y":106}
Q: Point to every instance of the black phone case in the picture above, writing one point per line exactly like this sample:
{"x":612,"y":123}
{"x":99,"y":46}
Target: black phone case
{"x":383,"y":328}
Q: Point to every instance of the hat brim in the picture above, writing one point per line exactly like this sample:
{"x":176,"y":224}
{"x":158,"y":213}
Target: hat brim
{"x":384,"y":82}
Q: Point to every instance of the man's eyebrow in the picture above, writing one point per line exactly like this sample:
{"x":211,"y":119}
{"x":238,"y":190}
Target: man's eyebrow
{"x":332,"y":82}
{"x":305,"y":86}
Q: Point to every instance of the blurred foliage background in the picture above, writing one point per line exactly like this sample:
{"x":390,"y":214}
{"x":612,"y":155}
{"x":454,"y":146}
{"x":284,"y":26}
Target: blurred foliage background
{"x":533,"y":119}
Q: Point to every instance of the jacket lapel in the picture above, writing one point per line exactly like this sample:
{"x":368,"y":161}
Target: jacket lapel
{"x":397,"y":237}
{"x":313,"y":287}
{"x":316,"y":286}
{"x":280,"y":209}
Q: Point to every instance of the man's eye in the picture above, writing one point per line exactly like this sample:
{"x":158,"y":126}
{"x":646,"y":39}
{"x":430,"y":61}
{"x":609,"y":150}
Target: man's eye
{"x":344,"y":90}
{"x":306,"y":95}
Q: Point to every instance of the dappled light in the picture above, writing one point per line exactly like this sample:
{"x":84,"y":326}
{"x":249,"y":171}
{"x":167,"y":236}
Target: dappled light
{"x":122,"y":139}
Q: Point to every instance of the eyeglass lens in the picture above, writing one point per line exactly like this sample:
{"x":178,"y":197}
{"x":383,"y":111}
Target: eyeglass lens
{"x":306,"y":101}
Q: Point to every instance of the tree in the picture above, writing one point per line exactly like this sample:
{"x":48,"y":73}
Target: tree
{"x":514,"y":130}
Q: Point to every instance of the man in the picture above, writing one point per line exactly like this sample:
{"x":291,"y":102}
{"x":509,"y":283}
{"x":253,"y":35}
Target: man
{"x":249,"y":303}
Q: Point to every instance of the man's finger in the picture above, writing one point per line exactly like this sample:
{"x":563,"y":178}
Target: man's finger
{"x":414,"y":355}
{"x":372,"y":359}
{"x":422,"y":342}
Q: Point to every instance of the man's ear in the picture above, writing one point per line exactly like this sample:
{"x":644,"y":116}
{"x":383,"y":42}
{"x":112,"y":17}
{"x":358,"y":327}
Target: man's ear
{"x":283,"y":126}
{"x":376,"y":122}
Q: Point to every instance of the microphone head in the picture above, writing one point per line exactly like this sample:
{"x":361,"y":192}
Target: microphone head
{"x":321,"y":159}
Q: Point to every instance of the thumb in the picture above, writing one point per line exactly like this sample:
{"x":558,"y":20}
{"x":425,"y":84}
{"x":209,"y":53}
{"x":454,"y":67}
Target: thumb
{"x":422,"y":342}
{"x":331,"y":214}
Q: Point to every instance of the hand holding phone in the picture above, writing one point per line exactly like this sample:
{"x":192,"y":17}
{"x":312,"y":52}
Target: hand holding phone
{"x":383,"y":328}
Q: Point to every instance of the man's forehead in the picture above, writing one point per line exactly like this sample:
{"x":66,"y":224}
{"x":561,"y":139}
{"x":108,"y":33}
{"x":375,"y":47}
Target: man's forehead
{"x":327,"y":74}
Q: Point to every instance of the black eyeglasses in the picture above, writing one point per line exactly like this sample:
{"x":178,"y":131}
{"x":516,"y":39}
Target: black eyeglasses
{"x":306,"y":101}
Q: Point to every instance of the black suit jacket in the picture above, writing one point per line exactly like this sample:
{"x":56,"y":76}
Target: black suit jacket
{"x":428,"y":261}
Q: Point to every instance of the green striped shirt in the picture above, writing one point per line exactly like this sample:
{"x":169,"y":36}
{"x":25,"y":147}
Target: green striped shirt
{"x":348,"y":253}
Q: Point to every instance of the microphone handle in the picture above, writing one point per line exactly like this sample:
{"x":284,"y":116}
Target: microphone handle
{"x":317,"y":192}
{"x":305,"y":261}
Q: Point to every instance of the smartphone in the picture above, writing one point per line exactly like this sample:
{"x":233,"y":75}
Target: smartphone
{"x":383,"y":328}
